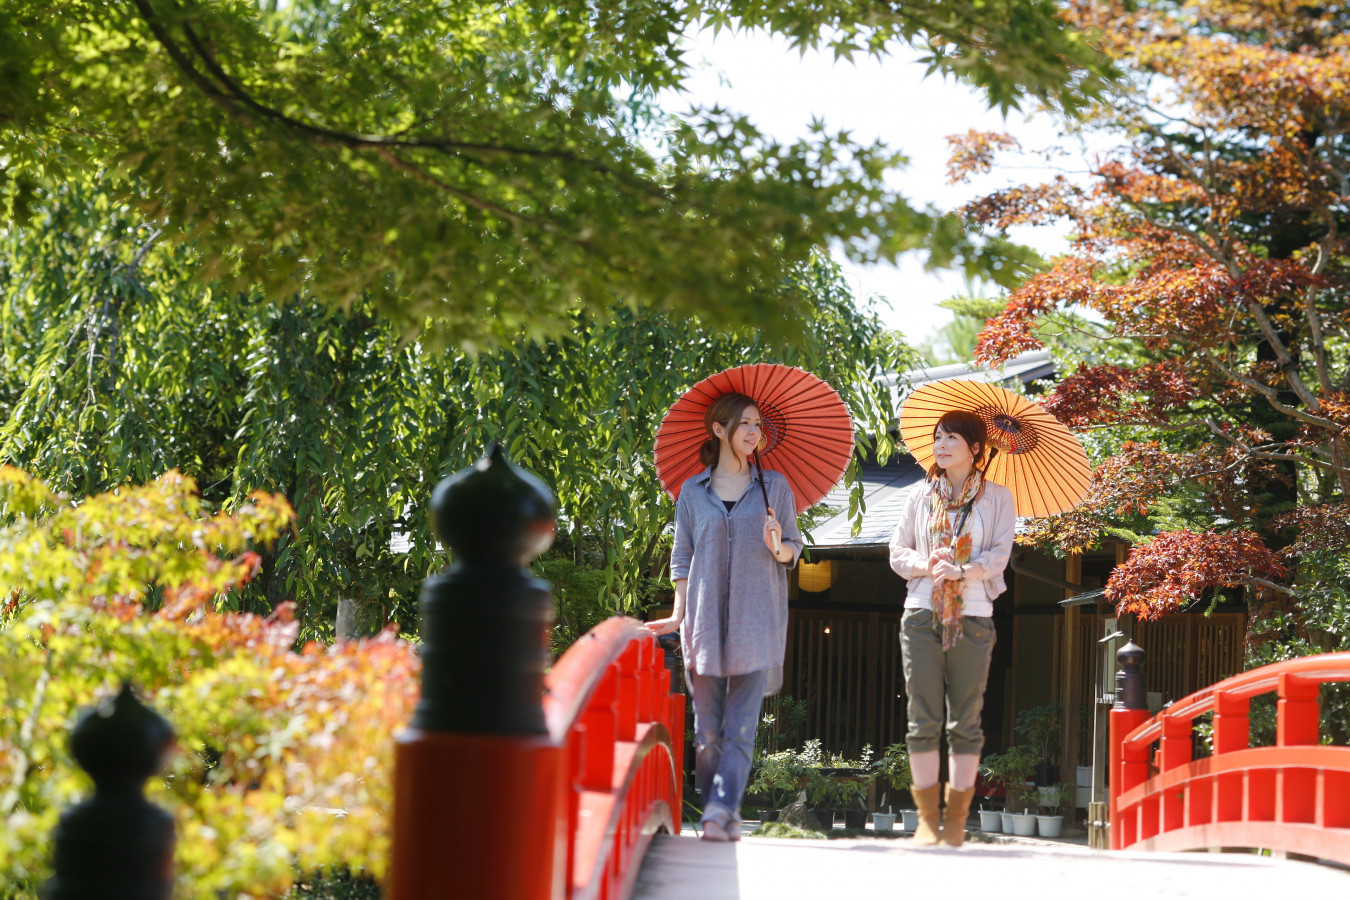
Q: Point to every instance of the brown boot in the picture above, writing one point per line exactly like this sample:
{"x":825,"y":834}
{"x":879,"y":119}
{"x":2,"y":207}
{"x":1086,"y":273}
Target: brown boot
{"x":926,"y":835}
{"x":954,"y":822}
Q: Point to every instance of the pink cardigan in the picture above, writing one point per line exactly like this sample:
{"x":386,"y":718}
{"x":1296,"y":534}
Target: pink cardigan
{"x":984,"y":573}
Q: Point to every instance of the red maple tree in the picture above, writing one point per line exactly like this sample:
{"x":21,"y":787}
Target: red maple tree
{"x":1210,"y":252}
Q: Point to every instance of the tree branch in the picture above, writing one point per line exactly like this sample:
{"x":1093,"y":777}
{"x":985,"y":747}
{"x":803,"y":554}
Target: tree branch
{"x":1271,"y":395}
{"x":1314,"y":320}
{"x":1286,"y":362}
{"x":1265,"y":454}
{"x":23,"y":764}
{"x":1257,"y":579}
{"x":230,"y":95}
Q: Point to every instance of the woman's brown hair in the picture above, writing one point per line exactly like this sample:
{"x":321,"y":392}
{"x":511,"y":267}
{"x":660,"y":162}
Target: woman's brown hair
{"x":725,"y":411}
{"x":972,"y":429}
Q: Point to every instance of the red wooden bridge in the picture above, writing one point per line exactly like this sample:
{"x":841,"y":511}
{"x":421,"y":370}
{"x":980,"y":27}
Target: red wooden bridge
{"x":1293,"y":796}
{"x":618,"y":728}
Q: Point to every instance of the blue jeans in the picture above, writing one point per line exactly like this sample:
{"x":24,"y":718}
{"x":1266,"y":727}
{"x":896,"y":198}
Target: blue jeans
{"x":726,"y":711}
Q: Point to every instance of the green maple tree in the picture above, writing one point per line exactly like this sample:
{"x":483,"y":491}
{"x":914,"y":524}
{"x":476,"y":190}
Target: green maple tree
{"x":486,"y":167}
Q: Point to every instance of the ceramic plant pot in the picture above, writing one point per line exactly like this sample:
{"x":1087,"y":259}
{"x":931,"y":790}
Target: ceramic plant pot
{"x":1024,"y":824}
{"x":883,"y":821}
{"x":1006,"y":819}
{"x":1050,"y":826}
{"x":911,"y":819}
{"x":991,"y":820}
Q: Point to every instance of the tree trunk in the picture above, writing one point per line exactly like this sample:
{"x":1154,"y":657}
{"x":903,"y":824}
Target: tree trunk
{"x":346,"y":625}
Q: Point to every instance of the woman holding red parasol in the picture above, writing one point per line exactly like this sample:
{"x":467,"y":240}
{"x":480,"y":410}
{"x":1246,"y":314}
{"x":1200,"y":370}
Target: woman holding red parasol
{"x":730,"y":560}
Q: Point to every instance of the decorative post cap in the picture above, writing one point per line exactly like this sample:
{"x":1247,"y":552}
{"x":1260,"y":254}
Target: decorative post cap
{"x":493,"y":512}
{"x":115,"y":844}
{"x":121,"y":742}
{"x":1131,"y":685}
{"x":1131,"y":656}
{"x":485,"y":620}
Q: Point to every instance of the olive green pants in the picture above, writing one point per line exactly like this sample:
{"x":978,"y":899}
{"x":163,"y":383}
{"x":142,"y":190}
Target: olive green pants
{"x":945,"y":686}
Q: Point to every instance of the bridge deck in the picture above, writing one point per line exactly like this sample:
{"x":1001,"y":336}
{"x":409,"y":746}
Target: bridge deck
{"x":680,"y":868}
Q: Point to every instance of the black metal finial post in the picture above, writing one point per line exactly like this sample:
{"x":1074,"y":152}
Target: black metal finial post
{"x":485,"y":619}
{"x":1131,"y":686}
{"x":116,"y":845}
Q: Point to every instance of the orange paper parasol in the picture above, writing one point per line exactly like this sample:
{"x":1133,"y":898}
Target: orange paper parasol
{"x":807,"y":429}
{"x":1038,"y":459}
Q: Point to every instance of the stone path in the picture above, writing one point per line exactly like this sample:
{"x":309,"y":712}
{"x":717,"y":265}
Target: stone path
{"x":685,"y":868}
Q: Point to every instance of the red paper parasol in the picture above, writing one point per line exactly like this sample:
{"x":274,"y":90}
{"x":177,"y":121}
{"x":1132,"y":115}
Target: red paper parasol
{"x":807,"y":428}
{"x":1038,"y":459}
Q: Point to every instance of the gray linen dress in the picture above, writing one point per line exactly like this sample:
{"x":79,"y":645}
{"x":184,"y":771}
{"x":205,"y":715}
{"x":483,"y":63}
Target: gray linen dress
{"x":735,"y":619}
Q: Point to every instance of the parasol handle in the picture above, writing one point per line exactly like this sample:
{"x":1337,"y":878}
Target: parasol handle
{"x":777,"y":545}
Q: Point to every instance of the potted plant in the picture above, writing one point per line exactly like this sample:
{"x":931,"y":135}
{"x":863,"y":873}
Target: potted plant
{"x":778,"y":779}
{"x":821,"y":794}
{"x":883,"y":821}
{"x":1024,"y":823}
{"x":862,"y":779}
{"x":834,"y":783}
{"x":991,"y":820}
{"x":1039,"y":727}
{"x":1050,"y":821}
{"x":891,"y":768}
{"x":910,"y":819}
{"x":851,"y":797}
{"x":1010,"y":770}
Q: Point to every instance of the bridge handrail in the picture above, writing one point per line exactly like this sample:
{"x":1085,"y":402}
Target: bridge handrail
{"x":607,"y":702}
{"x":1325,"y":668}
{"x":574,"y":678}
{"x":1286,"y":797}
{"x":590,"y":752}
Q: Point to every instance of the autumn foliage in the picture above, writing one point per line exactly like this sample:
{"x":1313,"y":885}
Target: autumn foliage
{"x":284,"y":759}
{"x":1209,"y":255}
{"x":1179,"y":565}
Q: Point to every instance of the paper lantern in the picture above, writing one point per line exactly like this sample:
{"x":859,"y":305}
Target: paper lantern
{"x":816,"y":576}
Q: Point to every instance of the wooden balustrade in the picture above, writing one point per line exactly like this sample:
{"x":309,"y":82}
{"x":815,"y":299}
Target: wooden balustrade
{"x":513,"y":783}
{"x":1293,"y":796}
{"x":609,"y":701}
{"x":562,"y":816}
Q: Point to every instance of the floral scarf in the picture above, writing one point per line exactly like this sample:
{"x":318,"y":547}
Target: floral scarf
{"x":947,"y":603}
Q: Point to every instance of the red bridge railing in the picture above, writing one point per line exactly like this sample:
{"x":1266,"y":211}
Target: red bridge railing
{"x":515,"y":781}
{"x":1293,"y":796}
{"x":565,"y":815}
{"x":609,"y":702}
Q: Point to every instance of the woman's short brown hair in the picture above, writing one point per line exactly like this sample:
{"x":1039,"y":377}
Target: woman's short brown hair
{"x":723,"y":411}
{"x":972,"y":429}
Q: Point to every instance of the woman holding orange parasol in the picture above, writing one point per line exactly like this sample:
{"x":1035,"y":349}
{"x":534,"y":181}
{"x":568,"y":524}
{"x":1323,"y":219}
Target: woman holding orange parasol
{"x":992,"y":455}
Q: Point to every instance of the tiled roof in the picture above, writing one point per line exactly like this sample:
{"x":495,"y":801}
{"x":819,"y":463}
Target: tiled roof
{"x":1023,"y":369}
{"x":884,"y":491}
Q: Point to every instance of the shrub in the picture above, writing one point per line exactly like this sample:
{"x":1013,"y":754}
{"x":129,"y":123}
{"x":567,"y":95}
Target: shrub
{"x":286,"y":755}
